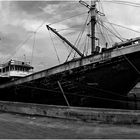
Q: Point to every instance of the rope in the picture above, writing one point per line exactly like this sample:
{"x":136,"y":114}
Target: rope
{"x":125,"y":3}
{"x":85,"y":46}
{"x":33,"y":47}
{"x":76,"y":42}
{"x":24,"y":41}
{"x":102,"y":34}
{"x":110,"y":31}
{"x":110,"y":40}
{"x":18,"y":47}
{"x":68,"y":18}
{"x":108,"y":21}
{"x":107,"y":35}
{"x":54,"y":48}
{"x":122,"y":26}
{"x":80,"y":35}
{"x":36,"y":30}
{"x":88,"y":40}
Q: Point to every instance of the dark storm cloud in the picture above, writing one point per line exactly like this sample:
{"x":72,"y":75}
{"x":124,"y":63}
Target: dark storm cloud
{"x":18,"y":18}
{"x":50,"y":11}
{"x":34,"y":7}
{"x":30,"y":7}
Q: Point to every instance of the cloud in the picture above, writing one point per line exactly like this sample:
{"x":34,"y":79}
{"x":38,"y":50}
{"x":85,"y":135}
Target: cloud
{"x":19,"y":20}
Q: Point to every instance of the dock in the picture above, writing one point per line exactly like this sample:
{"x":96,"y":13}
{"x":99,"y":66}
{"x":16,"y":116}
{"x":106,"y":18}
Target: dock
{"x":112,"y":116}
{"x":24,"y":121}
{"x":17,"y":126}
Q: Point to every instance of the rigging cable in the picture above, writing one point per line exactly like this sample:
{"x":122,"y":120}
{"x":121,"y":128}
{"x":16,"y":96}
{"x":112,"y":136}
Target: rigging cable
{"x":36,"y":30}
{"x":72,"y":27}
{"x":18,"y":47}
{"x":85,"y":46}
{"x":125,"y":55}
{"x":110,"y":31}
{"x":33,"y":47}
{"x":110,"y":24}
{"x":24,"y":41}
{"x":67,"y":46}
{"x":54,"y":48}
{"x":102,"y":34}
{"x":122,"y":26}
{"x":88,"y":44}
{"x":68,"y":18}
{"x":81,"y":34}
{"x":107,"y":36}
{"x":76,"y":42}
{"x":125,"y":3}
{"x":110,"y":40}
{"x":101,"y":29}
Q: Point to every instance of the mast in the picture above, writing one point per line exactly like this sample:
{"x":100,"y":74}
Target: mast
{"x":93,"y":23}
{"x":93,"y":11}
{"x":64,"y":39}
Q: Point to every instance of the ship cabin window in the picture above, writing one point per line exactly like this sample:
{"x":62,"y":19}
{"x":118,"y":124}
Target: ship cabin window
{"x":6,"y":69}
{"x":12,"y":68}
{"x":19,"y":68}
{"x":16,"y":68}
{"x":3,"y":70}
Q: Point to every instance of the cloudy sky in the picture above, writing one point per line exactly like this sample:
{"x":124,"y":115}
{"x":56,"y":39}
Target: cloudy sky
{"x":24,"y":36}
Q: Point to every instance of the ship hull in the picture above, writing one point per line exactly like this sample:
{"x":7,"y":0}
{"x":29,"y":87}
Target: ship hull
{"x":101,"y":84}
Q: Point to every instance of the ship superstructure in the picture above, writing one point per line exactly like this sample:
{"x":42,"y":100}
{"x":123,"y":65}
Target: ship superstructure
{"x":15,"y":69}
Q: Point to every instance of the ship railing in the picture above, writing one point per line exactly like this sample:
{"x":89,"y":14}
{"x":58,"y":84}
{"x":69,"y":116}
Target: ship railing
{"x":127,"y":43}
{"x":15,"y":73}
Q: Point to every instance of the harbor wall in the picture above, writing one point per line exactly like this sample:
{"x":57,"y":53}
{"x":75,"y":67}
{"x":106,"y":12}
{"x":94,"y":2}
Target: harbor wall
{"x":114,"y":116}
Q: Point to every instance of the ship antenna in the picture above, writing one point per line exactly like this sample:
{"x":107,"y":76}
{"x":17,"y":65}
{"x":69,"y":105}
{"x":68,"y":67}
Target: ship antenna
{"x":93,"y":11}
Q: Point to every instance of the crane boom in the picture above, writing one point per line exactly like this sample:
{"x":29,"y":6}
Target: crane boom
{"x":85,"y":4}
{"x":64,"y":39}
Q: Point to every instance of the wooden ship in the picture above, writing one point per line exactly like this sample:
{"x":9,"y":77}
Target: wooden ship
{"x":101,"y":79}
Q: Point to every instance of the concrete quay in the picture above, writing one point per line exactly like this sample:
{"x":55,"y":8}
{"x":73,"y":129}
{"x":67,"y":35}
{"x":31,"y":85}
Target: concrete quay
{"x":18,"y":126}
{"x":112,"y":116}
